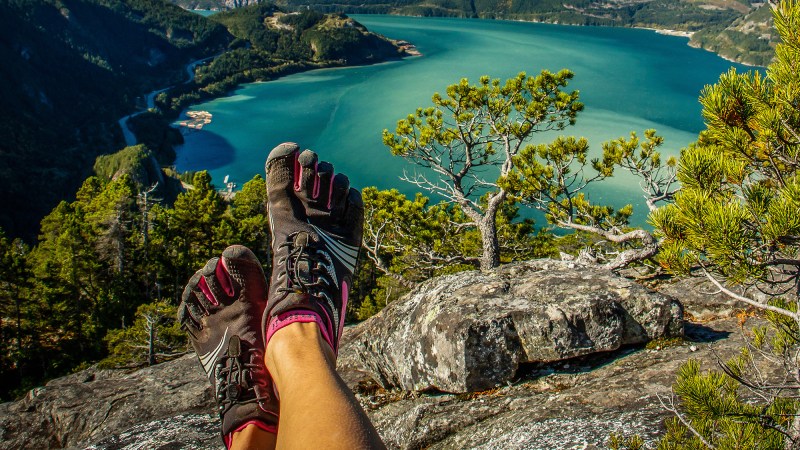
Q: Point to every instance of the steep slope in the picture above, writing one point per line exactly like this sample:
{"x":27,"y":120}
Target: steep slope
{"x":70,"y":69}
{"x":750,"y":38}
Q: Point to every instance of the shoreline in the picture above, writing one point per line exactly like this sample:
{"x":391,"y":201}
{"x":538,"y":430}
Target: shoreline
{"x":678,"y":33}
{"x":662,"y":31}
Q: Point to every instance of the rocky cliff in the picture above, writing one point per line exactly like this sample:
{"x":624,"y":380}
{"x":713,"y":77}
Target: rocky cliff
{"x":588,"y":384}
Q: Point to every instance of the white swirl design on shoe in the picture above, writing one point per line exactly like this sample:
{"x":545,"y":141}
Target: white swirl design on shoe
{"x":207,"y":360}
{"x":346,"y":254}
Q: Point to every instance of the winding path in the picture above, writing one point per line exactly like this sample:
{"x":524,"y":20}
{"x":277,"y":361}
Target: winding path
{"x":130,"y":137}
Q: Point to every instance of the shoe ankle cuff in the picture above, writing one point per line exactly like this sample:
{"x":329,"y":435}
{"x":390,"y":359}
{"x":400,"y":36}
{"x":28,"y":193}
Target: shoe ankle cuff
{"x":269,"y":428}
{"x":301,"y":316}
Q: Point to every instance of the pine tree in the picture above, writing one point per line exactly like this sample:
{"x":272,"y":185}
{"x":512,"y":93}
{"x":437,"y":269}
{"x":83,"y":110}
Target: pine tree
{"x":736,"y":221}
{"x":554,"y":178}
{"x":471,"y":135}
{"x":154,"y":336}
{"x":249,"y":217}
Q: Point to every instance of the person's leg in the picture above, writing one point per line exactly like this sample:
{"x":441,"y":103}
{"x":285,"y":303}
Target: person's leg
{"x":316,"y":221}
{"x":303,"y":369}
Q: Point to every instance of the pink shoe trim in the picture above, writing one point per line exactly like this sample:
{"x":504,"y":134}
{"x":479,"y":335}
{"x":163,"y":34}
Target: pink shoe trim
{"x":315,"y":191}
{"x":259,"y":424}
{"x":297,"y":315}
{"x":345,"y":295}
{"x":298,"y":172}
{"x":224,"y":277}
{"x":203,"y":285}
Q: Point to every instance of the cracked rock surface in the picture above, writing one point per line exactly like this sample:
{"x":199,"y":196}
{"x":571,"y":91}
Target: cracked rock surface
{"x":472,"y":330}
{"x":575,"y":401}
{"x":80,"y":408}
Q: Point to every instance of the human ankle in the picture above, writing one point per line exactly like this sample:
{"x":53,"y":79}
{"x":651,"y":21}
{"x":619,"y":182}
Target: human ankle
{"x":295,"y":345}
{"x":252,"y":436}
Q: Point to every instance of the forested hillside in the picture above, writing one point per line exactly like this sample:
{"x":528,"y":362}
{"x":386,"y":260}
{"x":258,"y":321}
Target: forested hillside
{"x":70,"y":70}
{"x":739,"y":30}
{"x":104,"y":252}
{"x":271,"y":43}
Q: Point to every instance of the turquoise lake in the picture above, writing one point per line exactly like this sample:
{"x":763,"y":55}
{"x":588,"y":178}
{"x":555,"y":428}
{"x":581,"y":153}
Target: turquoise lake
{"x":629,"y":80}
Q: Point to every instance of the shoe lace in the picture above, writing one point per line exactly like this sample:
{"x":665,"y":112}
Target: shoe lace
{"x":237,"y":378}
{"x":318,"y":281}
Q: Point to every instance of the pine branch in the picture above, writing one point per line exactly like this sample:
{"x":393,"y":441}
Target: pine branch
{"x":749,"y":301}
{"x":674,"y":410}
{"x":625,"y":257}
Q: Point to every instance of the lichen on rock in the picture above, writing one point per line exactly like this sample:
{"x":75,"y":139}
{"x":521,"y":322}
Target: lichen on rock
{"x":471,"y":331}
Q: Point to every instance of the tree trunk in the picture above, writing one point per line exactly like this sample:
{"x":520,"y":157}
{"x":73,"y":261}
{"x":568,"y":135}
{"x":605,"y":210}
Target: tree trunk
{"x":491,"y":248}
{"x":151,"y":340}
{"x":17,"y":302}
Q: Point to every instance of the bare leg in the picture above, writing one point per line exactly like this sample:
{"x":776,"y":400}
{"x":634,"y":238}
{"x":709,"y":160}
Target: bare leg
{"x":317,"y":408}
{"x":252,"y":438}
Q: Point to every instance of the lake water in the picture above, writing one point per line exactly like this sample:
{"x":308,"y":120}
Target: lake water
{"x":629,"y":79}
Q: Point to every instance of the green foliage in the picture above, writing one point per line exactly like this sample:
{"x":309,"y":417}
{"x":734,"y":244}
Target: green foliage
{"x":411,"y":238}
{"x":618,"y":442}
{"x":470,"y":137}
{"x":107,"y":53}
{"x":386,"y":290}
{"x":14,"y":284}
{"x":129,"y":160}
{"x":79,"y":289}
{"x":414,"y":240}
{"x":103,"y":256}
{"x":737,"y":210}
{"x":249,"y":214}
{"x":460,"y":121}
{"x":553,"y":178}
{"x":736,"y":218}
{"x":716,"y":410}
{"x":662,"y":343}
{"x":155,"y":336}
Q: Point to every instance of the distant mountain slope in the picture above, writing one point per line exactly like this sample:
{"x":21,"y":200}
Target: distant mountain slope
{"x":70,"y":69}
{"x":271,"y":43}
{"x":737,"y":29}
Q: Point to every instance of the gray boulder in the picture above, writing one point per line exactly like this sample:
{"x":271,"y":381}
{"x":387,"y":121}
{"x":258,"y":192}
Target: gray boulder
{"x":184,"y":431}
{"x":84,"y":407}
{"x":472,"y":330}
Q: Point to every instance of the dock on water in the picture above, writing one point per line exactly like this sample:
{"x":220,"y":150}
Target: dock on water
{"x":196,"y":120}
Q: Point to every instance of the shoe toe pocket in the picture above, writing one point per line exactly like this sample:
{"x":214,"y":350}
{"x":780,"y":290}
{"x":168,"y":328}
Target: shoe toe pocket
{"x":280,"y":167}
{"x":354,"y":214}
{"x":339,"y":190}
{"x":321,"y":194}
{"x":308,"y":182}
{"x":280,"y":152}
{"x":188,"y":319}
